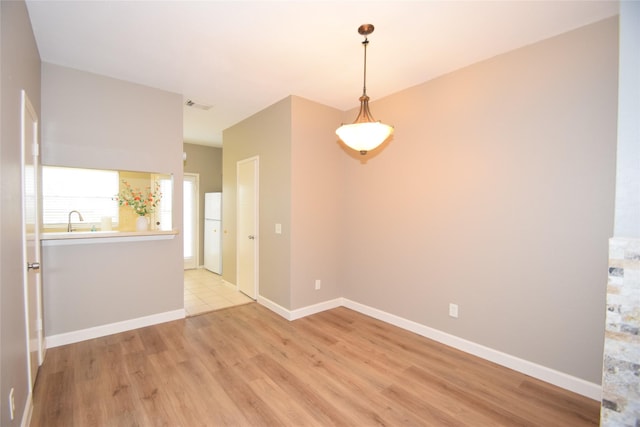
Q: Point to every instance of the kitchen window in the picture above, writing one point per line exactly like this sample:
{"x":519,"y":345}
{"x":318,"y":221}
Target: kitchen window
{"x":89,"y":191}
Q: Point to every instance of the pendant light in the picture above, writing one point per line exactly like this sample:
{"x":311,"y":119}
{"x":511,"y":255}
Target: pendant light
{"x":365,"y":133}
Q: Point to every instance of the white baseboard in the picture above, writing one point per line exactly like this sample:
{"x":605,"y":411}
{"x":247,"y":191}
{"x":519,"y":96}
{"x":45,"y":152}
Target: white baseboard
{"x":112,"y":328}
{"x":28,"y":411}
{"x":276,"y":308}
{"x":543,"y":373}
{"x":557,"y":378}
{"x":316,"y":308}
{"x":301,"y":312}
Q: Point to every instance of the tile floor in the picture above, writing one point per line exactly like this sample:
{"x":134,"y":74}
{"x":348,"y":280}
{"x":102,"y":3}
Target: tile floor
{"x":206,"y":291}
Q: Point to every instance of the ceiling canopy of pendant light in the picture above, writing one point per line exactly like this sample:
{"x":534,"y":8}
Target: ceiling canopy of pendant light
{"x":365,"y":133}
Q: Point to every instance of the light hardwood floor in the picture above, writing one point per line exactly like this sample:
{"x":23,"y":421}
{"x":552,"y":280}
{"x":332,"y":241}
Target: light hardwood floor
{"x":246,"y":366}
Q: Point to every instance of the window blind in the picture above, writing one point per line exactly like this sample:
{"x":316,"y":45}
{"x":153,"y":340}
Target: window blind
{"x":89,"y":191}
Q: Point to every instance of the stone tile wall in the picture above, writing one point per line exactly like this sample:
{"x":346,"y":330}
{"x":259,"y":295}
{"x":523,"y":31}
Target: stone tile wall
{"x":621,"y":369}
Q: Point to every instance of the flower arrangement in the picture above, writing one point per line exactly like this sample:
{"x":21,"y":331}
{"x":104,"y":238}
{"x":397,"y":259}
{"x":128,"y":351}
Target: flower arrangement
{"x":142,"y":203}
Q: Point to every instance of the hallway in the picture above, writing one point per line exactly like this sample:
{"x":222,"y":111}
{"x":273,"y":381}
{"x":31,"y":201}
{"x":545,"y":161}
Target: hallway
{"x":205,"y":291}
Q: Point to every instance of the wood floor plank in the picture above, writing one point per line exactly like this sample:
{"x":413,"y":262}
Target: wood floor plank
{"x":291,"y":413}
{"x":253,"y":406}
{"x":247,"y":366}
{"x":471,"y":405}
{"x":340,"y":380}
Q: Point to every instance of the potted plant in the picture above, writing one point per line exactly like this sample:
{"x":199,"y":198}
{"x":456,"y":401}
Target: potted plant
{"x":142,"y":202}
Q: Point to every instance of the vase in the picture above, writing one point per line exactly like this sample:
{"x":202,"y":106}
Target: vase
{"x":142,"y":223}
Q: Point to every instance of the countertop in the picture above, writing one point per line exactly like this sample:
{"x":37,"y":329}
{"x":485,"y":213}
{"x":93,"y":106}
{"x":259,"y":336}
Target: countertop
{"x":81,"y":237}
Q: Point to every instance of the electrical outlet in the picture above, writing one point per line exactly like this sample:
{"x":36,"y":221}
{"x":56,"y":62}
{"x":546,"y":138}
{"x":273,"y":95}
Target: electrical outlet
{"x":278,"y":228}
{"x":318,"y":284}
{"x":12,"y":404}
{"x":453,"y":310}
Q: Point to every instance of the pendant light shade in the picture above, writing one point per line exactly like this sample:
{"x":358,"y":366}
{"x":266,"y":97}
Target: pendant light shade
{"x":365,"y":133}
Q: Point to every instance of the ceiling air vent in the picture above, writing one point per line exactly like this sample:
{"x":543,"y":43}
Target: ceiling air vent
{"x":193,"y":104}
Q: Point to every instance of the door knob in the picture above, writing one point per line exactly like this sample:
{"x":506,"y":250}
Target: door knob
{"x":251,"y":237}
{"x":35,"y":266}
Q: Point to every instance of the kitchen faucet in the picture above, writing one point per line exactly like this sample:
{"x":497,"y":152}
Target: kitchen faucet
{"x":69,"y":227}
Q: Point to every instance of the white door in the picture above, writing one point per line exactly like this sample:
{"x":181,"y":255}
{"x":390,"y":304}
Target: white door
{"x":31,"y":238}
{"x":247,"y":211}
{"x":190,"y":221}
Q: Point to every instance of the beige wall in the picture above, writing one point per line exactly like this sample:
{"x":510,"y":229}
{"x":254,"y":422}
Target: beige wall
{"x":317,"y":176}
{"x":496,"y":194}
{"x":268,"y":136}
{"x":20,"y":69}
{"x":207,"y":163}
{"x":300,"y":178}
{"x":97,"y":122}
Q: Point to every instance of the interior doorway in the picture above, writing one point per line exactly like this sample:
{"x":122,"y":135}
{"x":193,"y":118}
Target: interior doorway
{"x":247,"y":223}
{"x":190,"y":219}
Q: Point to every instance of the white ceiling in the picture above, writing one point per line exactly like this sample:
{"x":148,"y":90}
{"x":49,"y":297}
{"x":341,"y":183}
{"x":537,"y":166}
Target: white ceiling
{"x":242,"y":56}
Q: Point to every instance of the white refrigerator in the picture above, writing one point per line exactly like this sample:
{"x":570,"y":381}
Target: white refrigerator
{"x":213,"y":232}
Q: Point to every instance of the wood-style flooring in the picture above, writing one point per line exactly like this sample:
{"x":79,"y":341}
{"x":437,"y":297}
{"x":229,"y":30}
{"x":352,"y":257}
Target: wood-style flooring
{"x":246,"y":366}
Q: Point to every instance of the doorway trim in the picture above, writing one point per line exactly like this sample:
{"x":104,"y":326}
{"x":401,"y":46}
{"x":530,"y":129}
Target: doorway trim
{"x":195,"y":238}
{"x":31,"y":220}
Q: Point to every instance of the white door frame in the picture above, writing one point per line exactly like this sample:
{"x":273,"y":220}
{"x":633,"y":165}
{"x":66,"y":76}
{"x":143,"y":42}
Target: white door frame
{"x":195,"y":178}
{"x":242,"y":239}
{"x":31,"y":257}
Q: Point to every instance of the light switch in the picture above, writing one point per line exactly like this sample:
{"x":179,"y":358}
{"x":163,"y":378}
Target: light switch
{"x":278,"y":228}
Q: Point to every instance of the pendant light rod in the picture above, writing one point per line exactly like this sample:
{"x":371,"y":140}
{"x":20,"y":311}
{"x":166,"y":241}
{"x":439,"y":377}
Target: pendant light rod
{"x":364,"y":79}
{"x":365,"y":30}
